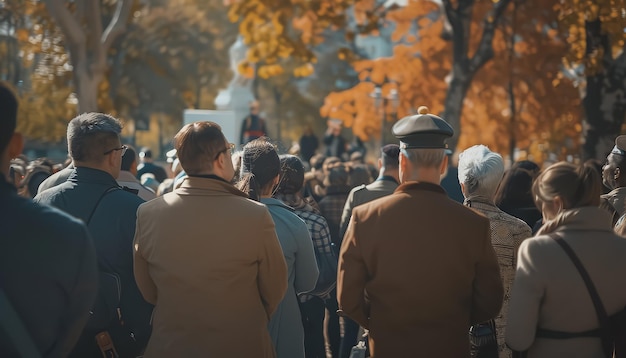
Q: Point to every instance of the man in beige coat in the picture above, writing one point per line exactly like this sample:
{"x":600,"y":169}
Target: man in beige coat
{"x":208,"y":258}
{"x":416,"y":268}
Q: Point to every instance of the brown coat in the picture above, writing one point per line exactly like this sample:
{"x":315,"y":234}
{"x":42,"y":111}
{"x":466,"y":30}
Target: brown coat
{"x":209,"y":260}
{"x":417,"y":269}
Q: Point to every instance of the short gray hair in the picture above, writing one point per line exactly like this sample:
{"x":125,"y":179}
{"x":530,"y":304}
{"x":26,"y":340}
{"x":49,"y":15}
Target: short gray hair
{"x":89,"y":135}
{"x":480,"y":170}
{"x":425,"y":157}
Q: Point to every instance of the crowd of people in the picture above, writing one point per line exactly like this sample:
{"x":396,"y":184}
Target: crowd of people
{"x":256,"y":253}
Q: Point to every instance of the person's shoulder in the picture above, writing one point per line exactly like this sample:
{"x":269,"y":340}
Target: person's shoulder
{"x":128,"y":198}
{"x":516,"y":224}
{"x":49,"y":219}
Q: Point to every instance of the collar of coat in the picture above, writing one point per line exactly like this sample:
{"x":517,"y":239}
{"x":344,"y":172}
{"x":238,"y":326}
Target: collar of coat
{"x":207,"y":186}
{"x":420,"y":185}
{"x":276,"y":202}
{"x":92,"y":175}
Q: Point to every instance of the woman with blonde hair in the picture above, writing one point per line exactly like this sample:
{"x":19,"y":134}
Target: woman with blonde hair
{"x":551,"y":312}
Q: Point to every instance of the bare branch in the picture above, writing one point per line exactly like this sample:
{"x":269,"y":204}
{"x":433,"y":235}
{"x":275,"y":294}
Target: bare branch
{"x":117,"y":26}
{"x":484,"y":53}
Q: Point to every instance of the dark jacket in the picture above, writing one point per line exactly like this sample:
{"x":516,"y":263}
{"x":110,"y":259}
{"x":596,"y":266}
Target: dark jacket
{"x":308,"y":146}
{"x":113,"y":228}
{"x":252,"y":127}
{"x":48,"y":271}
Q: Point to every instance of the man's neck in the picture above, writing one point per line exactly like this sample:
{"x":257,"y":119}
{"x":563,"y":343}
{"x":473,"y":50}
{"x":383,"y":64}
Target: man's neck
{"x":92,"y":166}
{"x":389,"y":173}
{"x":429,"y":175}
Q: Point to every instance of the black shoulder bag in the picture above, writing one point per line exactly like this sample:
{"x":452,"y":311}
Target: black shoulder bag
{"x":612,"y":329}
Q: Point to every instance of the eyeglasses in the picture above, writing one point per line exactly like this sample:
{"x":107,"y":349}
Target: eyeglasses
{"x":122,"y":148}
{"x":229,"y":146}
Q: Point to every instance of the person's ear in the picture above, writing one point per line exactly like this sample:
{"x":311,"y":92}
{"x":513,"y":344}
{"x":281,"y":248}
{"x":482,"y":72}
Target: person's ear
{"x":444,"y":165}
{"x":380,"y":163}
{"x":404,"y":163}
{"x":133,"y":167}
{"x":616,"y":174}
{"x":111,"y":161}
{"x":16,"y":145}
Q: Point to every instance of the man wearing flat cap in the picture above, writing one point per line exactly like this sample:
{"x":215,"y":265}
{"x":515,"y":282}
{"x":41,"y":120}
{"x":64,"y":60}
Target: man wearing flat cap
{"x":614,"y":178}
{"x":416,"y":268}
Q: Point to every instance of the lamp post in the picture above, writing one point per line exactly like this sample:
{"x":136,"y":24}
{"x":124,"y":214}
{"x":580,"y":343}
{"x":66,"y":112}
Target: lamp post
{"x":381,"y":102}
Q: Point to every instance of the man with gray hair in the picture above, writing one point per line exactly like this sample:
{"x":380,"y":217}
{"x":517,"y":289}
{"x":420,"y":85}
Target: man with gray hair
{"x":416,"y":268}
{"x":480,"y":172}
{"x":92,"y":194}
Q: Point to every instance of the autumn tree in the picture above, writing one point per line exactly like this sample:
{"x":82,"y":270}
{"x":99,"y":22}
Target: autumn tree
{"x":34,"y":61}
{"x":595,"y":32}
{"x":527,"y":59}
{"x":88,"y":42}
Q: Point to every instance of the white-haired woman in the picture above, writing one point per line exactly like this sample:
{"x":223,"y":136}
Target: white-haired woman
{"x":480,"y":172}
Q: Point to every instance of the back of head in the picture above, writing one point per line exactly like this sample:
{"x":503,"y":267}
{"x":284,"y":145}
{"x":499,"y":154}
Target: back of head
{"x":514,"y":190}
{"x":145,"y":153}
{"x":577,"y":186}
{"x":425,"y":157}
{"x":480,"y":171}
{"x":129,"y":158}
{"x":259,"y":166}
{"x":317,"y":161}
{"x":291,"y":175}
{"x":527,"y":164}
{"x":358,"y":174}
{"x":338,"y":176}
{"x":8,"y":115}
{"x":330,"y":162}
{"x":389,"y":156}
{"x":90,"y":135}
{"x":197,"y":145}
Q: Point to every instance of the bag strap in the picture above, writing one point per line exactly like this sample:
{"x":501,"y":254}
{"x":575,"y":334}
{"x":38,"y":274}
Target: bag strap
{"x":93,"y":211}
{"x":607,"y":344}
{"x":101,"y":264}
{"x":14,"y":328}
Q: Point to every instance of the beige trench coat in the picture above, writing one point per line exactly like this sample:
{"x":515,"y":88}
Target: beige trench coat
{"x":418,"y":269}
{"x":209,"y":260}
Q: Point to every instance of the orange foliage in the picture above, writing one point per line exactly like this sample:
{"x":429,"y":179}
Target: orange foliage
{"x":546,"y":117}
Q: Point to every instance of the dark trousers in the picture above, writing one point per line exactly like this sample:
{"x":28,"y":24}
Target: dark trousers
{"x":312,"y":312}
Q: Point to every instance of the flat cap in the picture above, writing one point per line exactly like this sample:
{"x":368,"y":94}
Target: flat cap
{"x":620,"y":145}
{"x":422,"y":130}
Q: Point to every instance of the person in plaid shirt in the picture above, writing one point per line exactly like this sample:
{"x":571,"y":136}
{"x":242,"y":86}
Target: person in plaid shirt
{"x":311,"y":306}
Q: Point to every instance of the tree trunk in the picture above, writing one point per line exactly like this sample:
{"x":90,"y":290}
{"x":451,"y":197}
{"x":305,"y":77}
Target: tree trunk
{"x":455,"y":97}
{"x":465,"y":67}
{"x":604,"y":98}
{"x":604,"y":106}
{"x":88,"y":43}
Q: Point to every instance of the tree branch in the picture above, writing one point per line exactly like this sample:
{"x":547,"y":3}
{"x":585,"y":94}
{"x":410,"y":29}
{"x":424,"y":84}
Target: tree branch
{"x":70,"y":27}
{"x":484,"y":53}
{"x":93,"y":22}
{"x":117,"y":26}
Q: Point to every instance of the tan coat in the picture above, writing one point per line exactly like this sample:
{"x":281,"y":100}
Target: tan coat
{"x":418,"y":269}
{"x":549,"y":293}
{"x":209,"y":260}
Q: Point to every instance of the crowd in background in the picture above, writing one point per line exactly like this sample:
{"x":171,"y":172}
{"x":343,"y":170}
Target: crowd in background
{"x":305,"y":204}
